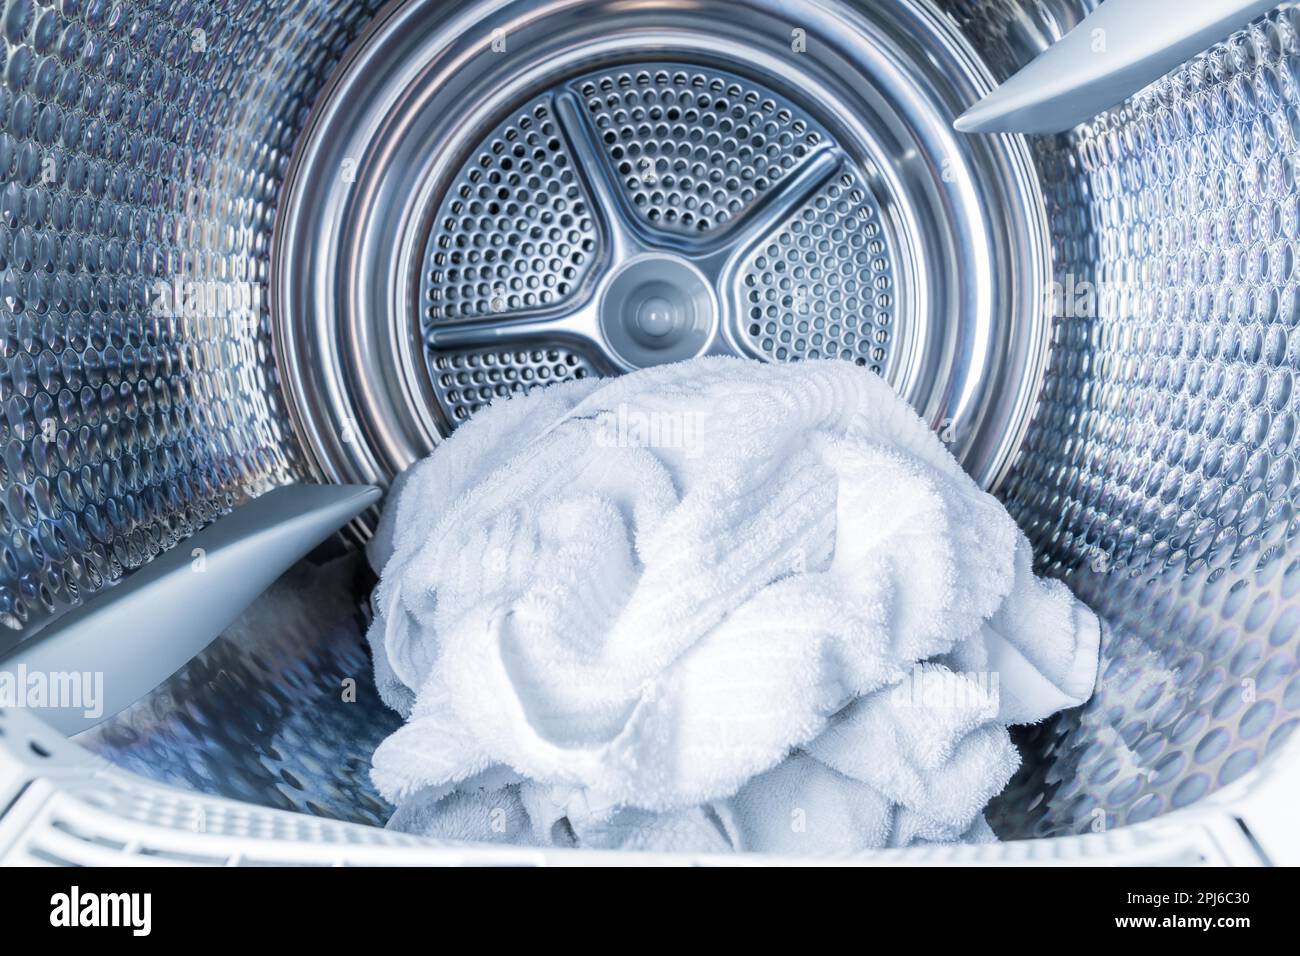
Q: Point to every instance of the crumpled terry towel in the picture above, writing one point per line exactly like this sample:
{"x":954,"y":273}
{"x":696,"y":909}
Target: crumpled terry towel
{"x":710,"y":606}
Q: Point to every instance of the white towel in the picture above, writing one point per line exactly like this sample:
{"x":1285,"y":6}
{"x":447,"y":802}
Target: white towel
{"x":663,"y":604}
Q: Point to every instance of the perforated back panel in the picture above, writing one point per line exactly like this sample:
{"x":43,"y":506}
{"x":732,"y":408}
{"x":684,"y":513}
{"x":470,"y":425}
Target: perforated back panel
{"x":467,"y":380}
{"x":822,"y":287}
{"x":695,"y":148}
{"x":690,"y":154}
{"x":514,"y":232}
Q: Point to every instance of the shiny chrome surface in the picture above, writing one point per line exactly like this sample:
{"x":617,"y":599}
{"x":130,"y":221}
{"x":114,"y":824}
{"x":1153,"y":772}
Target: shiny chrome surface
{"x":1158,"y":475}
{"x":1009,"y":33}
{"x":412,"y":284}
{"x":1116,"y":51}
{"x":727,"y":212}
{"x":136,"y":635}
{"x":141,"y":149}
{"x":281,"y":711}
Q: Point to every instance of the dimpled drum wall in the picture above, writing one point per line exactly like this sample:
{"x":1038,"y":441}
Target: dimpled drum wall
{"x":245,"y":244}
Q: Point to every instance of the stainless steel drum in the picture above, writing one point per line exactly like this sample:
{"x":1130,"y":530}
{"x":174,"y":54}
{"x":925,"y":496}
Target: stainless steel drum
{"x":244,"y":243}
{"x":514,"y":194}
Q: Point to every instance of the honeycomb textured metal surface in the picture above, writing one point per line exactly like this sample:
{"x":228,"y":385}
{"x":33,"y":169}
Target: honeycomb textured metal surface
{"x":145,"y":141}
{"x":467,"y":381}
{"x":822,"y":286}
{"x":695,"y":148}
{"x":141,"y":149}
{"x":1010,"y":33}
{"x":99,"y":817}
{"x":514,"y":232}
{"x":1160,"y":475}
{"x":281,"y":711}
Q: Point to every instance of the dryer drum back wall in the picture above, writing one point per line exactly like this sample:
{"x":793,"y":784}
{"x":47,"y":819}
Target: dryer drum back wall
{"x":498,"y":195}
